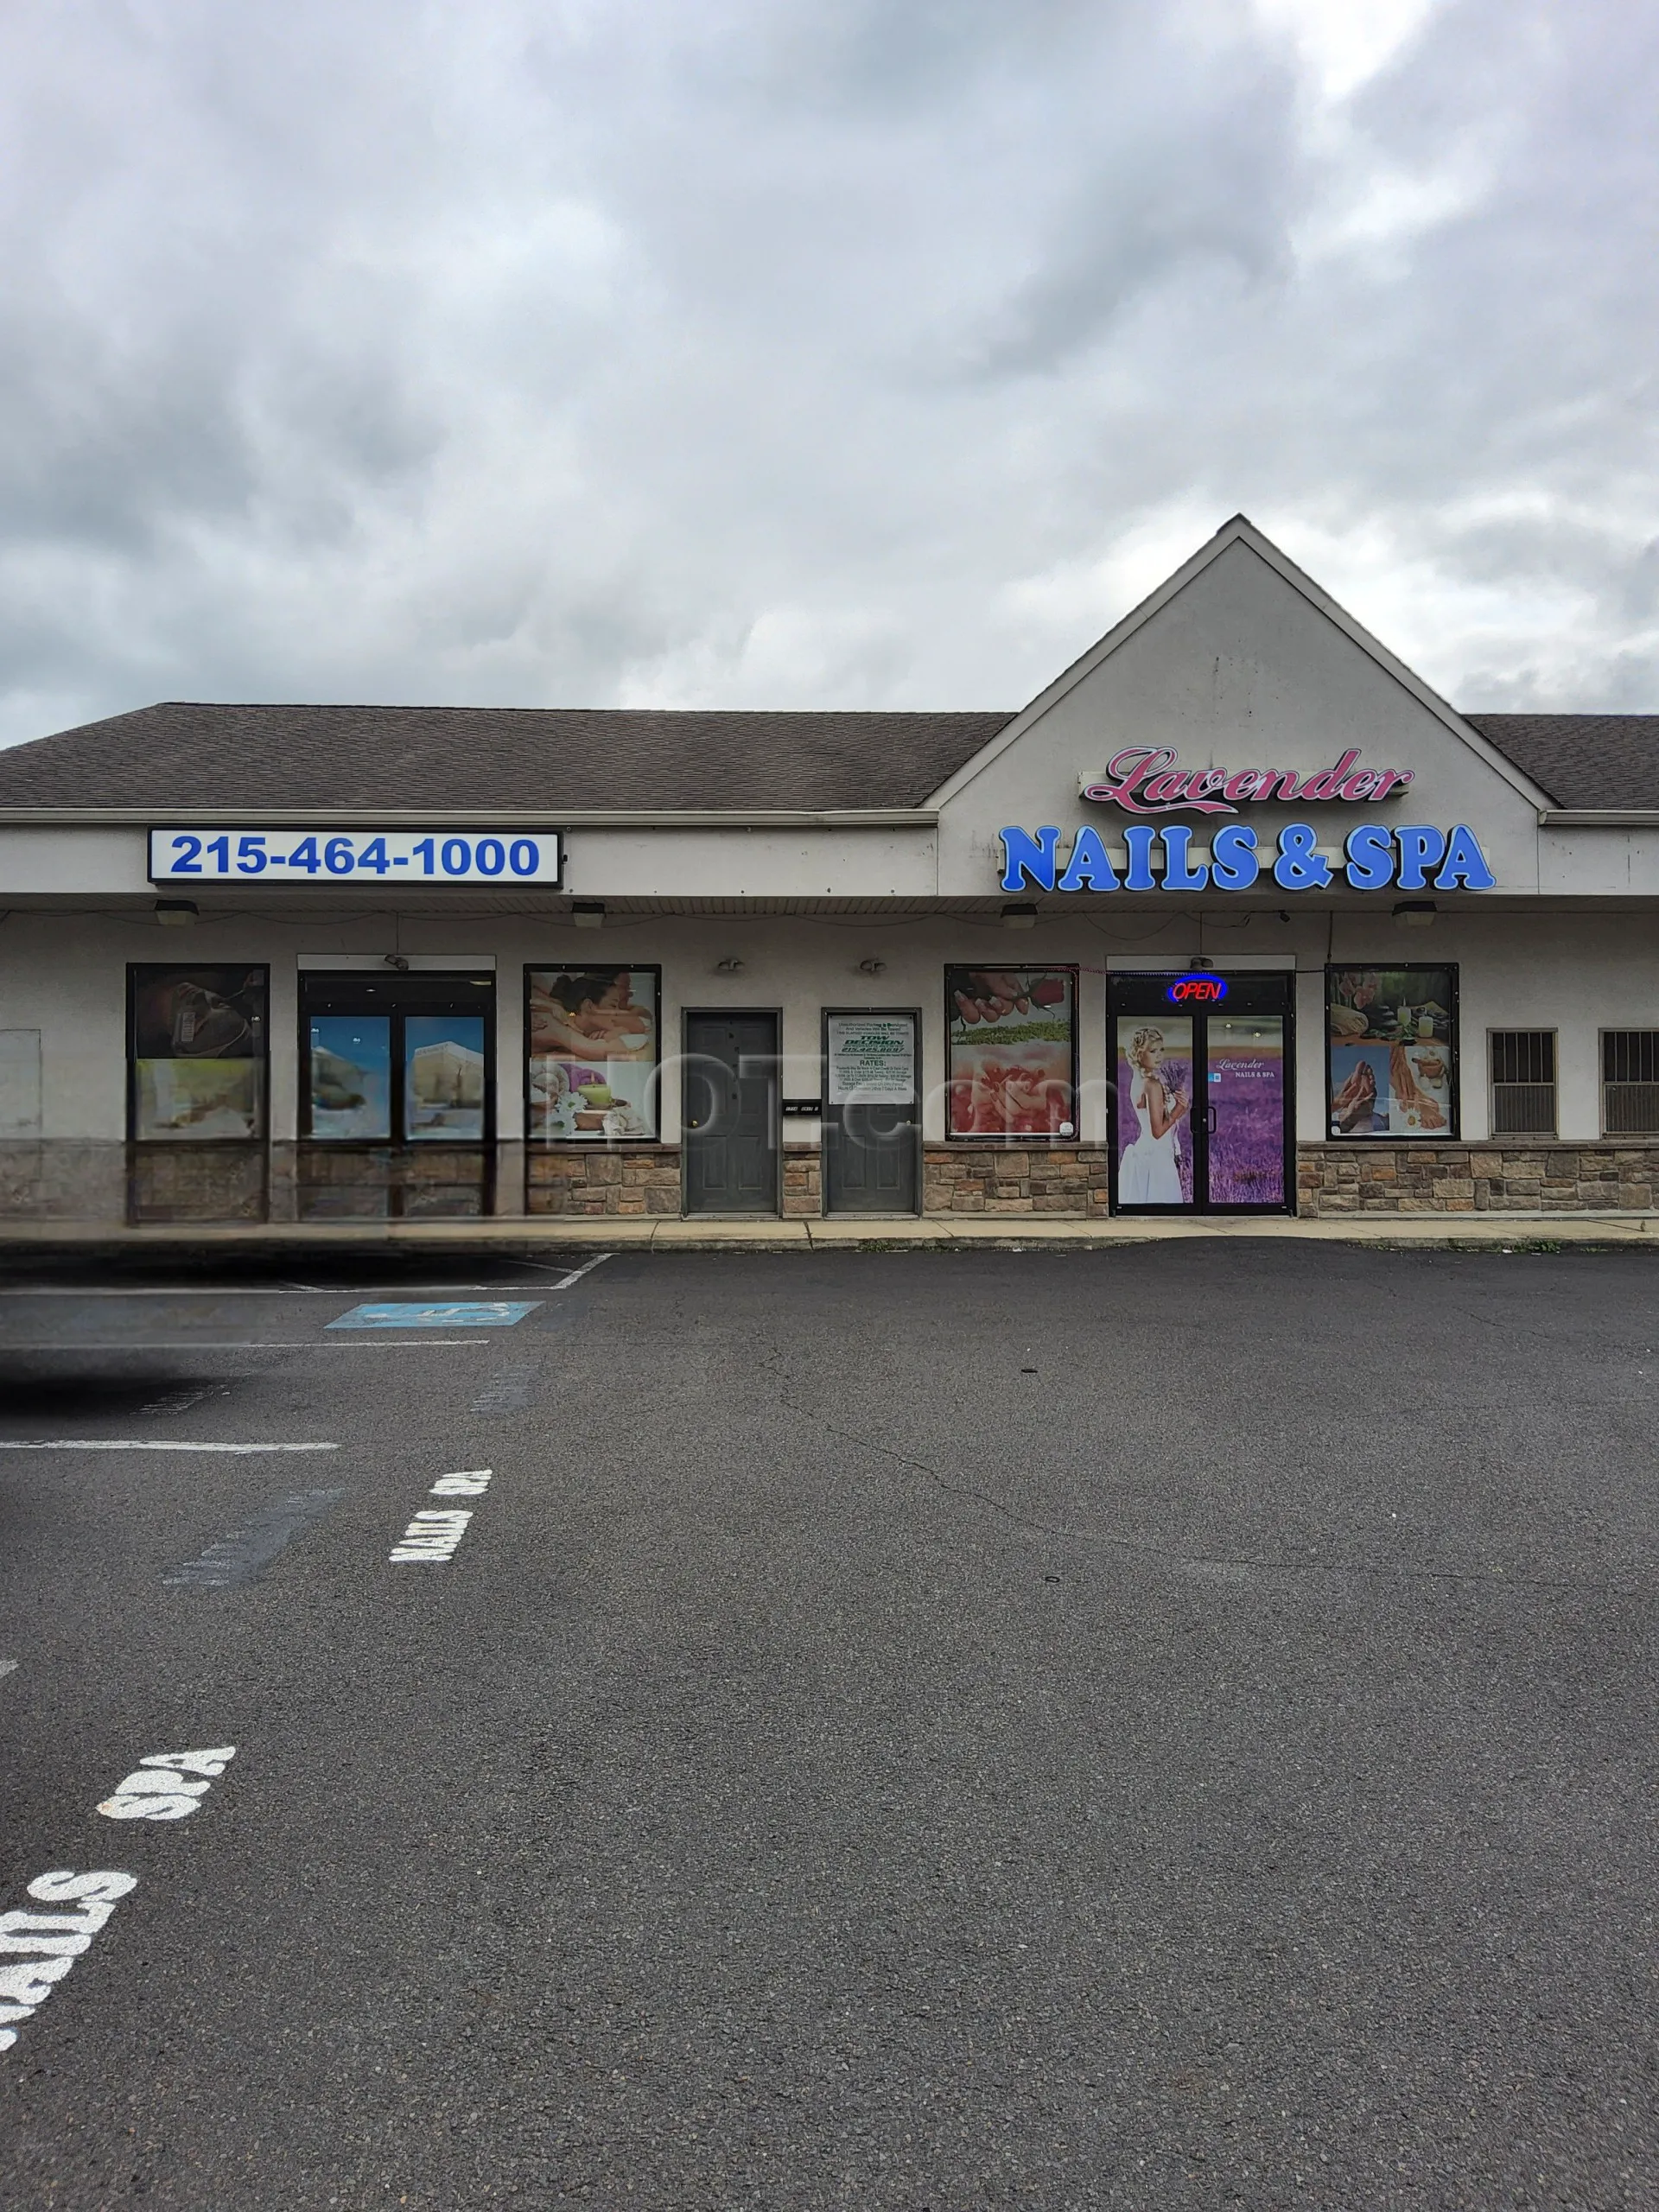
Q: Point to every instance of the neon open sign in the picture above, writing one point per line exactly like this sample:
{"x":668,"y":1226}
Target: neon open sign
{"x":1197,"y":990}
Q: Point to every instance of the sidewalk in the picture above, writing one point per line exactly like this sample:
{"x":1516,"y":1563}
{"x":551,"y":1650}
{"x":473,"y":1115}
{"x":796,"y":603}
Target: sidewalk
{"x":1006,"y":1232}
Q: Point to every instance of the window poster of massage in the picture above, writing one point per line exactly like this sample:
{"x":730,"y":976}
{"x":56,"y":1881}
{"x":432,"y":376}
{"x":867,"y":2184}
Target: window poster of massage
{"x":592,"y":1039}
{"x":1012,"y":1034}
{"x":1393,"y":1051}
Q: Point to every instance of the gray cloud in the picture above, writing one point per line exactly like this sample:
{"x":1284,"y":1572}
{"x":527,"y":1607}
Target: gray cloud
{"x":776,"y":353}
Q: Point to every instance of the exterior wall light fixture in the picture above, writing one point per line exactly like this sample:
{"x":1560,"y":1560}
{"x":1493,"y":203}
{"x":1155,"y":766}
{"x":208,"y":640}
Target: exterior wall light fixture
{"x":588,"y":913}
{"x":1415,"y":914}
{"x":175,"y":913}
{"x":729,"y":966}
{"x":1020,"y":917}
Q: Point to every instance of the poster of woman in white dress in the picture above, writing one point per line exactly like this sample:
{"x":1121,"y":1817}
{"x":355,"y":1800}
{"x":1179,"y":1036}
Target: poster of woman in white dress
{"x":1155,"y":1102}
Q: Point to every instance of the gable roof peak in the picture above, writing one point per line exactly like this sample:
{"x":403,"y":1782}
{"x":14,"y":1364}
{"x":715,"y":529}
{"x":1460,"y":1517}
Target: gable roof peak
{"x":1239,"y":529}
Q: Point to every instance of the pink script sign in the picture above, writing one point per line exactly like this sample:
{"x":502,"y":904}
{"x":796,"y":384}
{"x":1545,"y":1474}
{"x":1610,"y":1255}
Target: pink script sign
{"x":1147,"y":779}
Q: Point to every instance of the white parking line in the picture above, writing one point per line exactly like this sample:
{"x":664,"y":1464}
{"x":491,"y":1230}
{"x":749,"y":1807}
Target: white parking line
{"x":143,"y":1444}
{"x":13,"y":1346}
{"x":436,"y":1532}
{"x":587,"y":1267}
{"x":295,"y":1289}
{"x":260,"y":1290}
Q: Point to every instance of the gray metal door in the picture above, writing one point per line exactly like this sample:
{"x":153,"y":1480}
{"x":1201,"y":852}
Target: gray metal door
{"x":729,"y":1118}
{"x":872,"y":1133}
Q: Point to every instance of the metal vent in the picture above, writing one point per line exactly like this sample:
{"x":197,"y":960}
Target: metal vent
{"x":1630,"y":1082}
{"x":1523,"y":1082}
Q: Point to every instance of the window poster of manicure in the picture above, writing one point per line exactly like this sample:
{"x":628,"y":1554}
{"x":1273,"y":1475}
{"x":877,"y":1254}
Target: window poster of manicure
{"x":593,"y":1050}
{"x":198,"y":1045}
{"x":1392,"y":1046}
{"x":1013,"y":1049}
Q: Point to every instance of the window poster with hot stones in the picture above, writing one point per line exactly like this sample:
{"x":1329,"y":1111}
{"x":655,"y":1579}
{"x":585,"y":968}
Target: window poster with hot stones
{"x":591,"y":1063}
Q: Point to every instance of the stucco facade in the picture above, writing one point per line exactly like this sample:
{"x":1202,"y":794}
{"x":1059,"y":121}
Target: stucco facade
{"x":1238,"y":662}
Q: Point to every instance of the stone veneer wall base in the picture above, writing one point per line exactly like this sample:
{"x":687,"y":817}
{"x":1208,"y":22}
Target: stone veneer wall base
{"x":1517,"y":1175}
{"x":1030,"y":1179}
{"x":605,"y":1181}
{"x":1029,"y":1182}
{"x":602,"y":1179}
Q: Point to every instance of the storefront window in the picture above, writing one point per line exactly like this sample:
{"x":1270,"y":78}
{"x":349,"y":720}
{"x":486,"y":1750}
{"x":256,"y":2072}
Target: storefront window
{"x":593,"y":1048}
{"x":1392,"y":1055}
{"x":398,"y":1060}
{"x":1012,"y":1037}
{"x":197,"y":1039}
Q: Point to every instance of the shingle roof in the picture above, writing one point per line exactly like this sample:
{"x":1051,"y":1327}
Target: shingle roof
{"x":1582,"y":760}
{"x":186,"y":753}
{"x":560,"y":758}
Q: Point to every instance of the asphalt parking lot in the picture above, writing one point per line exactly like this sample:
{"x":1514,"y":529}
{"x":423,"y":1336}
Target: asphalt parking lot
{"x":1156,"y":1728}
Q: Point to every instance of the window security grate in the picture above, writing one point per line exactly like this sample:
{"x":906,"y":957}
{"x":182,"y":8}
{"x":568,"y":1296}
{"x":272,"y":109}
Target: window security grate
{"x":1523,"y":1082}
{"x":1630,"y":1082}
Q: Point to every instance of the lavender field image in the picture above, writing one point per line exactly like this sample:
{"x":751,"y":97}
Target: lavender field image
{"x":1247,"y":1150}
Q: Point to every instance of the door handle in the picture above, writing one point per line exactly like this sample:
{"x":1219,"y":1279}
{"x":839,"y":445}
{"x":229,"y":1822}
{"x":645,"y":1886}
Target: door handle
{"x":1210,"y":1120}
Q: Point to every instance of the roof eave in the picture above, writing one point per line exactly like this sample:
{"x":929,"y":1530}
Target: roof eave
{"x":1598,"y":818}
{"x":607,"y":817}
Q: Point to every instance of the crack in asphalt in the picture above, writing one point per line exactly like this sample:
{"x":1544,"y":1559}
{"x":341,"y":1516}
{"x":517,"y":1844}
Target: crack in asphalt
{"x":1205,"y":1567}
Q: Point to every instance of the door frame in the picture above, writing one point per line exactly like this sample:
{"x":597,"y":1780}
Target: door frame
{"x":398,"y":1072}
{"x":775,"y":1015}
{"x":1200,"y":1018}
{"x":914,"y":1015}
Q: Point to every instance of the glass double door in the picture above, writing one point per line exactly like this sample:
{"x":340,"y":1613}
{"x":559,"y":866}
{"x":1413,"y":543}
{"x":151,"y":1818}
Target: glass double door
{"x":1202,"y":1099}
{"x":403,"y":1059}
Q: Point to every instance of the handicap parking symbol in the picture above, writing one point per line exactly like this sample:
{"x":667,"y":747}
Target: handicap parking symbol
{"x":493,"y":1313}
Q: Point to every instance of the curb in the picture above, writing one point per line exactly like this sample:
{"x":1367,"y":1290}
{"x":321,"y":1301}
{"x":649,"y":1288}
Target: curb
{"x":23,"y":1241}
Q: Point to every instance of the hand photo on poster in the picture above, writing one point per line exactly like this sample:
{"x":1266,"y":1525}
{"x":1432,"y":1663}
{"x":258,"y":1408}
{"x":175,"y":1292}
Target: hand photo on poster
{"x":1359,"y":1090}
{"x":1012,"y":1052}
{"x":1393,"y":1046}
{"x":198,"y":1052}
{"x":1154,"y":1107}
{"x":592,"y":1053}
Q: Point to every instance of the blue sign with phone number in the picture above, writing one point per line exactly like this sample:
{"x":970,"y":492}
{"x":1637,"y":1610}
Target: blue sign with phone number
{"x":296,"y":855}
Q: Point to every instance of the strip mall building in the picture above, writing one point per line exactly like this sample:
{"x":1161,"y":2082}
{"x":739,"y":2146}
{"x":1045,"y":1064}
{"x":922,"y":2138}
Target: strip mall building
{"x":1238,"y":914}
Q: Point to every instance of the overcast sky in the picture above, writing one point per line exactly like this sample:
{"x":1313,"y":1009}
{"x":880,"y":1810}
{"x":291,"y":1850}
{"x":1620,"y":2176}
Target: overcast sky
{"x":760,"y":352}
